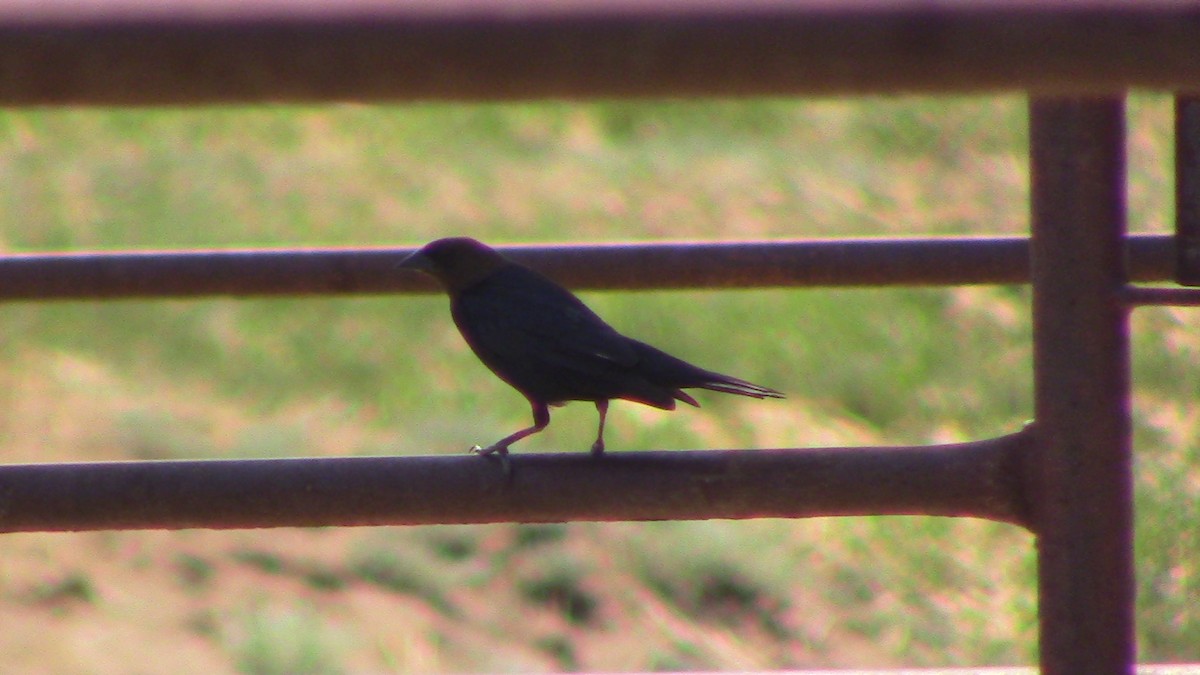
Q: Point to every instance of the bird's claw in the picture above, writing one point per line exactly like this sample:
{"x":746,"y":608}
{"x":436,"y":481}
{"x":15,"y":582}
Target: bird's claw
{"x":501,"y":453}
{"x":598,"y":449}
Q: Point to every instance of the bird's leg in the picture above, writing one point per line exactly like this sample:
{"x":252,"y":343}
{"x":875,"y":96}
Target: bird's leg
{"x":598,"y":446}
{"x":541,"y":418}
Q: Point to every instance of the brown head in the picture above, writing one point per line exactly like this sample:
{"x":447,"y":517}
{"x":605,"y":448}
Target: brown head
{"x":457,"y":262}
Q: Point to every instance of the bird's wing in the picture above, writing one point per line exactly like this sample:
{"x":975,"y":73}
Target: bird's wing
{"x":518,"y":316}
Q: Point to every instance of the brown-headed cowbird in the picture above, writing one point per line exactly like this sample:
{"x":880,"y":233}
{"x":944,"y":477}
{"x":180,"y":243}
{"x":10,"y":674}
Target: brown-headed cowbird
{"x":544,"y":342}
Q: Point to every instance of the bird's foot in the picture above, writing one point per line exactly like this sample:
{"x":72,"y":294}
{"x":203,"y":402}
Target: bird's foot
{"x":501,"y":455}
{"x":491,"y":449}
{"x":598,"y":449}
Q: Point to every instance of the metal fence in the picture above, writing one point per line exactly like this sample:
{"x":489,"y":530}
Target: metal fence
{"x":1066,"y":477}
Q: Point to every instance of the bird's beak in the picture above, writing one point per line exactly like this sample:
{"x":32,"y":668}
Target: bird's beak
{"x":417,"y":262}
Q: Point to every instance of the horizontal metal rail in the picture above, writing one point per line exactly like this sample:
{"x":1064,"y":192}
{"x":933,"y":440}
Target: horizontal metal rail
{"x":840,"y":262}
{"x":1159,"y":295}
{"x":1140,"y":669}
{"x":144,"y":52}
{"x":978,"y":479}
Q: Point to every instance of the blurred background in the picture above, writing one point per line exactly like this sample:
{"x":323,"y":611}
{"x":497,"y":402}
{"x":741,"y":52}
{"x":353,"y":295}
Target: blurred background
{"x":390,"y":375}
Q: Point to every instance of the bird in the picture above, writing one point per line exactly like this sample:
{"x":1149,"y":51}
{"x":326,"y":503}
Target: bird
{"x":543,"y":341}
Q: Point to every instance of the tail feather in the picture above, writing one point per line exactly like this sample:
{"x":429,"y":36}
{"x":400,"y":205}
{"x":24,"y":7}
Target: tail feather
{"x":681,"y":395}
{"x":732,"y":385}
{"x":665,"y":370}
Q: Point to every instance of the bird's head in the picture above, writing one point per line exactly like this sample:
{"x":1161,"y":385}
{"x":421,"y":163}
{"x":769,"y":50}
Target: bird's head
{"x":457,"y":262}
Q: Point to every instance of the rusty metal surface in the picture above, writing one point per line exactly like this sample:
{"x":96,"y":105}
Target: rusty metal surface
{"x":1080,"y":478}
{"x":971,"y":479}
{"x":1187,"y":188}
{"x":145,"y":52}
{"x":843,"y":262}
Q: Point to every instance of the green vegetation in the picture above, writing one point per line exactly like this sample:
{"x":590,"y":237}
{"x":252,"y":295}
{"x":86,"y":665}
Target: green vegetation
{"x":389,"y":375}
{"x":73,"y":587}
{"x":268,"y":641}
{"x":390,"y":565}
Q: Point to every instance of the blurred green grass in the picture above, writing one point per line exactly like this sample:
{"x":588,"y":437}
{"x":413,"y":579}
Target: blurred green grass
{"x":390,"y":375}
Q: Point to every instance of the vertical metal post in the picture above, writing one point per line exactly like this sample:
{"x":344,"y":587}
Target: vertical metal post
{"x":1080,"y":478}
{"x":1187,"y":189}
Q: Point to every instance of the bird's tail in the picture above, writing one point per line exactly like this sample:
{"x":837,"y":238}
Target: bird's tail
{"x":669,"y":371}
{"x":732,"y":385}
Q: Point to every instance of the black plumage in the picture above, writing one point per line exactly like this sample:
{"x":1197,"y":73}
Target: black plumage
{"x":544,"y":342}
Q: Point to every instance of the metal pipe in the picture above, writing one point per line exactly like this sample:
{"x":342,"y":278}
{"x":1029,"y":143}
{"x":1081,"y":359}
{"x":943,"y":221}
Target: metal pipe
{"x":1155,"y":295}
{"x":144,"y":52}
{"x":676,"y":265}
{"x":976,"y":479}
{"x":1080,"y":478}
{"x":1187,"y":188}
